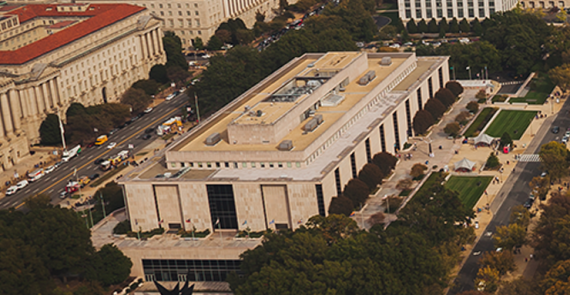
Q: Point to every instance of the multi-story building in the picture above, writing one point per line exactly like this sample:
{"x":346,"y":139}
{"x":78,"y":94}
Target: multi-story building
{"x":190,"y":19}
{"x":438,"y":9}
{"x":535,"y":4}
{"x":55,"y":54}
{"x":277,"y":154}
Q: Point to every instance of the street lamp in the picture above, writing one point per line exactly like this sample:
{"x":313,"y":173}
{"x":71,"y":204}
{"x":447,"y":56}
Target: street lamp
{"x":469,"y":69}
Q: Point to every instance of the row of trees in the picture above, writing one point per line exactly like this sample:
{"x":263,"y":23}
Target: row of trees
{"x":443,"y":27}
{"x":435,"y":107}
{"x":48,"y":243}
{"x":414,"y":255}
{"x":358,"y":189}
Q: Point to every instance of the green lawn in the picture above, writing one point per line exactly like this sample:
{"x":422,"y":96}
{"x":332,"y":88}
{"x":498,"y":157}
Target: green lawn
{"x":539,"y":90}
{"x":513,"y":122}
{"x":470,"y":188}
{"x":435,"y":176}
{"x":478,"y":125}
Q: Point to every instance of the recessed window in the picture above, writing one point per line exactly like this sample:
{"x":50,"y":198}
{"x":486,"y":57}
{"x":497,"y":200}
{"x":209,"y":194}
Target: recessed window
{"x":252,"y":164}
{"x":199,"y":165}
{"x":262,"y":165}
{"x":270,"y":165}
{"x":280,"y":165}
{"x":244,"y":165}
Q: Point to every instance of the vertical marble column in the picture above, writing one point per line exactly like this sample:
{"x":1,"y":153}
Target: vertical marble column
{"x":143,"y":49}
{"x":23,"y":98}
{"x":15,"y":109}
{"x":6,"y":116}
{"x":46,"y":95}
{"x":155,"y":42}
{"x":39,"y":100}
{"x":32,"y":101}
{"x":53,"y":91}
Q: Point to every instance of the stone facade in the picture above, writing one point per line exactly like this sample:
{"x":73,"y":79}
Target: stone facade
{"x":469,"y":9}
{"x":92,"y":57}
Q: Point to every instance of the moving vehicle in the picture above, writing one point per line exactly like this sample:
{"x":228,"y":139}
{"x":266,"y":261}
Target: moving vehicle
{"x":63,"y":195}
{"x":67,"y":155}
{"x":114,"y":161}
{"x":112,"y":145}
{"x":146,"y":136}
{"x":169,"y":125}
{"x":22,"y":184}
{"x":94,"y":176}
{"x":170,"y":96}
{"x":101,"y":140}
{"x":11,"y":190}
{"x":36,"y":175}
{"x":72,"y":187}
{"x":99,"y":161}
{"x":555,"y":129}
{"x":84,"y":180}
{"x":49,"y":169}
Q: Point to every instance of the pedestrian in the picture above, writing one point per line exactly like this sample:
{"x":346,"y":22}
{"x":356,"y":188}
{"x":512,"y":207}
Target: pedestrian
{"x":531,"y":256}
{"x":525,"y":259}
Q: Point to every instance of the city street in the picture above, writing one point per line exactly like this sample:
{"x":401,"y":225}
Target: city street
{"x":55,"y":182}
{"x":515,"y":191}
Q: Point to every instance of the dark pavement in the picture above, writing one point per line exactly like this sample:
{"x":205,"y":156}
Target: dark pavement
{"x":514,"y":192}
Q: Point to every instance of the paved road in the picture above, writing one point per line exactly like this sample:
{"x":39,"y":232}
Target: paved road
{"x":515,"y":191}
{"x":55,"y":182}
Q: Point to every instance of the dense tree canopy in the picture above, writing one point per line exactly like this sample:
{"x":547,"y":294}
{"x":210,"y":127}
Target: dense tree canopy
{"x":422,"y":121}
{"x":81,"y":125}
{"x":553,"y":157}
{"x":173,"y":49}
{"x":137,"y":99}
{"x":50,"y":131}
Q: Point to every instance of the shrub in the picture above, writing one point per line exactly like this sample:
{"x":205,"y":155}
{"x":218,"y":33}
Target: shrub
{"x":341,"y":205}
{"x":393,"y":203}
{"x":404,"y":184}
{"x":472,"y":106}
{"x":422,"y":121}
{"x":452,"y":129}
{"x":435,"y":108}
{"x":454,"y":87}
{"x":149,"y":86}
{"x":462,"y":118}
{"x":385,"y":161}
{"x":481,"y":94}
{"x":506,"y":139}
{"x":371,"y":175}
{"x":122,"y":227}
{"x":357,"y":191}
{"x":492,"y":161}
{"x":418,"y":171}
{"x":446,"y":97}
{"x":376,"y":218}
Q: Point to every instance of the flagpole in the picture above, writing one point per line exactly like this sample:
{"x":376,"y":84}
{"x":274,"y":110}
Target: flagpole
{"x":221,"y":236}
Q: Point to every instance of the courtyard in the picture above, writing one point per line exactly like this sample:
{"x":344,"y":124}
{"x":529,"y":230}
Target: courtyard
{"x":511,"y":121}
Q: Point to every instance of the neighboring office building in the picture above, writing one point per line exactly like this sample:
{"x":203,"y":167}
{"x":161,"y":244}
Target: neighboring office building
{"x":438,"y":9}
{"x":190,"y":19}
{"x":544,"y":4}
{"x":276,"y":155}
{"x":53,"y":55}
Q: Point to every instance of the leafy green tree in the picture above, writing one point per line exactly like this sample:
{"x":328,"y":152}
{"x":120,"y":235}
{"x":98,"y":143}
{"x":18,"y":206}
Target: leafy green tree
{"x":432,"y":26}
{"x":556,"y":280}
{"x":198,"y":43}
{"x":411,"y":26}
{"x":341,"y":205}
{"x":405,"y":36}
{"x":487,"y":279}
{"x":435,"y":108}
{"x":109,"y":266}
{"x":502,"y":261}
{"x":385,"y":161}
{"x":75,"y":109}
{"x":464,"y":26}
{"x":561,"y":76}
{"x":357,"y":191}
{"x":455,"y":87}
{"x":473,"y":107}
{"x":50,"y":132}
{"x":521,"y":286}
{"x":520,"y":215}
{"x":177,"y":75}
{"x":452,"y":129}
{"x":510,"y":237}
{"x":21,"y":268}
{"x":476,"y":27}
{"x":445,"y":96}
{"x":540,"y":186}
{"x":462,"y":118}
{"x":492,"y":161}
{"x":441,"y":33}
{"x":149,"y":86}
{"x":454,"y":26}
{"x":173,"y":48}
{"x":553,"y":157}
{"x":418,"y":171}
{"x":371,"y":175}
{"x":443,"y":25}
{"x":158,"y":74}
{"x":137,"y":99}
{"x":506,"y":139}
{"x":215,"y":43}
{"x":422,"y":26}
{"x":422,"y":121}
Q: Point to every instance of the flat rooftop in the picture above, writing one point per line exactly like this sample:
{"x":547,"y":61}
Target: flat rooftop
{"x":331,"y":62}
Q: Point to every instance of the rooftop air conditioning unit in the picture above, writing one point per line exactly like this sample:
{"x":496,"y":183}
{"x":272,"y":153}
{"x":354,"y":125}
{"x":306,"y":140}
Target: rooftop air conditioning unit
{"x":285,"y":145}
{"x":213,"y":139}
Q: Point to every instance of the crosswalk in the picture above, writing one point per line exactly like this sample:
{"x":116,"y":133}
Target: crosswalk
{"x":511,"y":82}
{"x":529,"y":158}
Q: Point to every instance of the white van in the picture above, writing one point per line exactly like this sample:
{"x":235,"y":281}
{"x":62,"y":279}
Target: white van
{"x":36,"y":175}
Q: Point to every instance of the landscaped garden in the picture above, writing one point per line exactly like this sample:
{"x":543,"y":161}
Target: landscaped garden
{"x":540,"y":89}
{"x":513,"y":122}
{"x":480,"y":122}
{"x":470,"y":188}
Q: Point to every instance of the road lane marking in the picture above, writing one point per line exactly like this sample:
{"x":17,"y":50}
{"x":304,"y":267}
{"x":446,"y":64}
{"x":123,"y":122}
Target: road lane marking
{"x":105,"y":152}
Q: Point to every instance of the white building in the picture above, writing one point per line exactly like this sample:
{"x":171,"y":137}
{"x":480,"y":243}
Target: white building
{"x":438,"y":9}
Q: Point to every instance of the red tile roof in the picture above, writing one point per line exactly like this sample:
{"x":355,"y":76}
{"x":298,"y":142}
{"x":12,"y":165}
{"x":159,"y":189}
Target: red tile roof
{"x":62,"y":24}
{"x":101,"y":16}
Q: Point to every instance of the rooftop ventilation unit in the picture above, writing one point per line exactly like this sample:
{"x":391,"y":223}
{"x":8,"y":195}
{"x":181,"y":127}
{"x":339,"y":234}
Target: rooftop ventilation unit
{"x":213,"y":139}
{"x":313,"y":123}
{"x":367,"y":78}
{"x":285,"y":145}
{"x":386,"y":61}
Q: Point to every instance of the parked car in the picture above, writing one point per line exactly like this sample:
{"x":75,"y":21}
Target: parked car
{"x":99,"y":161}
{"x":63,"y":195}
{"x":49,"y":169}
{"x":149,"y":130}
{"x":148,"y":110}
{"x":170,"y":96}
{"x":22,"y":184}
{"x":94,"y":176}
{"x":113,"y":131}
{"x":146,"y":136}
{"x":11,"y":190}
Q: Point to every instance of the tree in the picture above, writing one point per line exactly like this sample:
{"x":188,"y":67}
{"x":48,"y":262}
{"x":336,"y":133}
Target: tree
{"x":411,"y":27}
{"x":454,"y":26}
{"x":432,"y":26}
{"x":520,"y":216}
{"x":385,"y":161}
{"x":553,"y":157}
{"x":158,"y":74}
{"x":418,"y":171}
{"x":215,"y":43}
{"x":422,"y":26}
{"x":50,"y":132}
{"x":549,"y":238}
{"x":561,"y":16}
{"x":561,"y":76}
{"x":502,"y":261}
{"x":464,"y":26}
{"x":173,"y":48}
{"x":341,"y":205}
{"x":376,"y":218}
{"x":443,"y":25}
{"x":510,"y":237}
{"x":149,"y":86}
{"x":404,"y":184}
{"x":109,"y":266}
{"x":472,"y":106}
{"x":445,"y":96}
{"x":198,"y":43}
{"x":452,"y":129}
{"x":422,"y":122}
{"x":75,"y":109}
{"x":487,"y":279}
{"x":371,"y":175}
{"x":357,"y":191}
{"x":462,"y":118}
{"x":441,"y":33}
{"x":492,"y":161}
{"x":435,"y":108}
{"x":506,"y":140}
{"x":477,"y":28}
{"x":556,"y":280}
{"x":137,"y":99}
{"x":481,"y":94}
{"x":521,"y":286}
{"x":455,"y":87}
{"x":177,"y":75}
{"x":540,"y":186}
